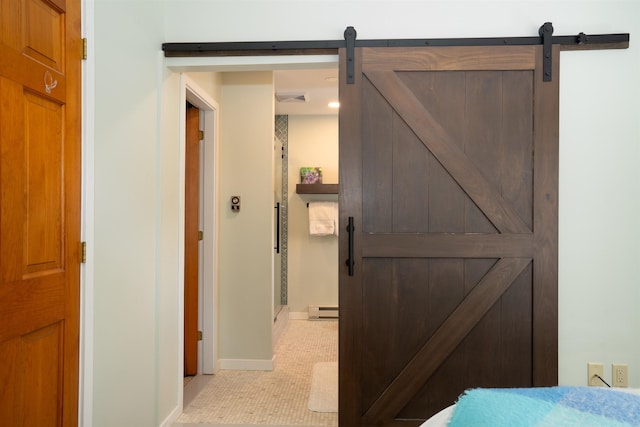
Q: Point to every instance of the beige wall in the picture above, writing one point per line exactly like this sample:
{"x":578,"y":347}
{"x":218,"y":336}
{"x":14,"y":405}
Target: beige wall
{"x":246,"y":240}
{"x":209,"y":82}
{"x":312,"y":260}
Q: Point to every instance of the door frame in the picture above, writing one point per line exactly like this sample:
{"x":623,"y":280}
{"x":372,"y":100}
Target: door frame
{"x":87,"y":218}
{"x":207,"y":297}
{"x":190,"y":91}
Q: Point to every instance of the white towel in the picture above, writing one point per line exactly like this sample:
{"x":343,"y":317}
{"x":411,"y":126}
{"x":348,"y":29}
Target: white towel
{"x":323,"y":218}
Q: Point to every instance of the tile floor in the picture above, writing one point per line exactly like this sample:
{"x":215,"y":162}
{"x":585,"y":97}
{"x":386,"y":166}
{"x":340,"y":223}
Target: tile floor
{"x":269,"y":399}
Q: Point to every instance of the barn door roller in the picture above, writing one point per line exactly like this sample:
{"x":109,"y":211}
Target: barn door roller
{"x":546,"y":32}
{"x":350,"y":40}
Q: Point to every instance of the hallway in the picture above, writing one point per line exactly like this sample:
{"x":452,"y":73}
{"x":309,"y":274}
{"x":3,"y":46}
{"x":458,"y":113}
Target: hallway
{"x":278,"y":398}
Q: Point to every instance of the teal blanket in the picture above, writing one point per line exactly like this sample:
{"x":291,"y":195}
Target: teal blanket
{"x":546,"y":406}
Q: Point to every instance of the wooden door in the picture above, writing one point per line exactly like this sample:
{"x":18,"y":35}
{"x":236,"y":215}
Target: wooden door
{"x":40,"y":175}
{"x":448,"y":166}
{"x":191,"y":239}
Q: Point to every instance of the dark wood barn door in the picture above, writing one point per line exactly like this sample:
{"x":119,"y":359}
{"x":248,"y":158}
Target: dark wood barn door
{"x":448,"y":166}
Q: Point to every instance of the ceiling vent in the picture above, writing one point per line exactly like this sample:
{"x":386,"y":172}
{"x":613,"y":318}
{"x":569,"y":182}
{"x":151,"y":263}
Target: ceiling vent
{"x":292,"y":97}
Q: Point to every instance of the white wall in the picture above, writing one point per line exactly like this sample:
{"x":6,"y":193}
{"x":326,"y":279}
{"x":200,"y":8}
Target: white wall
{"x":168,"y":264}
{"x":137,"y":153}
{"x":599,"y":295}
{"x":128,"y":195}
{"x":312,"y":260}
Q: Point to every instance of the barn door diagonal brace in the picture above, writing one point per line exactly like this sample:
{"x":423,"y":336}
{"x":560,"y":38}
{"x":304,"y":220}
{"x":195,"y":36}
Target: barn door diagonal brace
{"x":350,"y":41}
{"x":546,"y":32}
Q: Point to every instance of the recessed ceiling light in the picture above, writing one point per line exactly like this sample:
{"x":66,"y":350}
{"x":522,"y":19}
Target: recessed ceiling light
{"x":334,"y":104}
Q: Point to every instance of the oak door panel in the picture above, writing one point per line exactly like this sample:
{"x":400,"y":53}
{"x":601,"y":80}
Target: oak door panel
{"x":191,"y":244}
{"x":40,"y":175}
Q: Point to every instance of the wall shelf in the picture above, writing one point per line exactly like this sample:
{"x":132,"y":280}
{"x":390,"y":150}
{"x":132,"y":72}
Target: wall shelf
{"x":317,"y":188}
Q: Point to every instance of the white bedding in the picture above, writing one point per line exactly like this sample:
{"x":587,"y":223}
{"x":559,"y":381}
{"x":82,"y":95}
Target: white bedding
{"x":441,"y":419}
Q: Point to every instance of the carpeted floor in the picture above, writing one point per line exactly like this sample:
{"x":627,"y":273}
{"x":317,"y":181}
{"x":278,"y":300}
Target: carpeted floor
{"x":277,"y":397}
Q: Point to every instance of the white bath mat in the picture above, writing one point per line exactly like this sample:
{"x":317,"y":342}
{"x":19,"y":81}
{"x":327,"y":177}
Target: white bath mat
{"x":324,"y":387}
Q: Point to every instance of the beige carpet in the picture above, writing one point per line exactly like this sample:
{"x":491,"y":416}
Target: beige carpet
{"x":324,"y":387}
{"x":277,"y":397}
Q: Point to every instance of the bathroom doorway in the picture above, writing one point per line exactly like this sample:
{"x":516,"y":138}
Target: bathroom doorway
{"x":283,"y":296}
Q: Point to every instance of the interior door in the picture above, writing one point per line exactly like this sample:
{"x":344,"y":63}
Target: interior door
{"x":40,"y":175}
{"x":191,"y":239}
{"x":448,"y":169}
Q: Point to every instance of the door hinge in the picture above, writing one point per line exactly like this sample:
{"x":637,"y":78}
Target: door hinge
{"x":201,"y":135}
{"x":200,"y":235}
{"x":83,"y":252}
{"x":84,"y":48}
{"x":199,"y":335}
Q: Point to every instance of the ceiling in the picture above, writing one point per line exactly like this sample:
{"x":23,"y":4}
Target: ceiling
{"x":318,"y":87}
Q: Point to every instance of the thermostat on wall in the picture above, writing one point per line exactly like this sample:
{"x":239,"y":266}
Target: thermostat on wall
{"x":235,"y":203}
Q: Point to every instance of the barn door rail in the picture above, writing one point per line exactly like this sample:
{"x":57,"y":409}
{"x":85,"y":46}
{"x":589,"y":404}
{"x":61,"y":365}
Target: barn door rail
{"x":545,"y":37}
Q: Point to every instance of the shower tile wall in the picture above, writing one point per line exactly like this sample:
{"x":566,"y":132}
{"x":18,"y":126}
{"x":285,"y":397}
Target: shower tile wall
{"x":282,"y":133}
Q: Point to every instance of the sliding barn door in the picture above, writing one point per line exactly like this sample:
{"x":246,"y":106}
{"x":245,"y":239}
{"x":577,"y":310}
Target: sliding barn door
{"x":448,"y":168}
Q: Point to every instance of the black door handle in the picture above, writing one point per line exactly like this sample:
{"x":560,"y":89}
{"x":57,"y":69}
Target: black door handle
{"x":350,"y":261}
{"x":277,"y":248}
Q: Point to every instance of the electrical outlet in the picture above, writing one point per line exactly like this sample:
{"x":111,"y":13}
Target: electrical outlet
{"x":593,"y":371}
{"x":619,"y":375}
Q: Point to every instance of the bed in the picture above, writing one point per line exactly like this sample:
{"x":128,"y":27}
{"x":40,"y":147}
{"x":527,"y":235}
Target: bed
{"x":542,"y":406}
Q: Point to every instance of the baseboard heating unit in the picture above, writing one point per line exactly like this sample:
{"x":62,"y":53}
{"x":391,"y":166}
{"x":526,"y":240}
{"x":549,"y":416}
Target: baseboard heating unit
{"x":323,"y":312}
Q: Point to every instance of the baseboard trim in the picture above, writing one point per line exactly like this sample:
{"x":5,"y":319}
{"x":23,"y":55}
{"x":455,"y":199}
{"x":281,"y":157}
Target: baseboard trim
{"x":298,"y":315}
{"x":168,"y":422}
{"x":279,"y":325}
{"x":246,"y":364}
